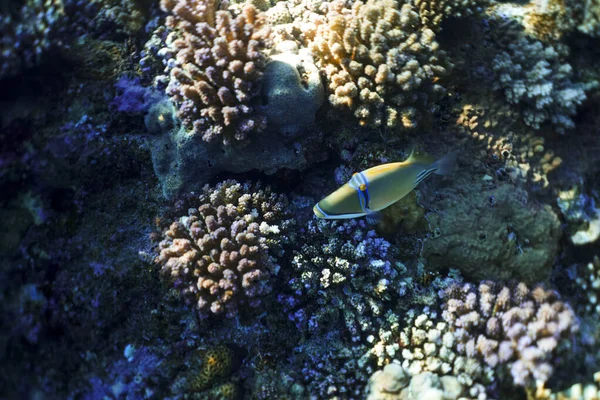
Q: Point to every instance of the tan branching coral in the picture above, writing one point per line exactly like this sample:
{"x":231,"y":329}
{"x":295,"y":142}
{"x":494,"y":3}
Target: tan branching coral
{"x":378,"y":61}
{"x":215,"y":61}
{"x":433,"y":12}
{"x":222,"y":253}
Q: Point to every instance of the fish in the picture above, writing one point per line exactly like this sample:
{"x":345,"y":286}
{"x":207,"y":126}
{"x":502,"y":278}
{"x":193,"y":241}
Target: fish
{"x":374,"y":189}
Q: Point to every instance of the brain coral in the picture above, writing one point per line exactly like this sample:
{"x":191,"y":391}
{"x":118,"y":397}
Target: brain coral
{"x":215,"y":61}
{"x":222,"y":253}
{"x":492,"y":233}
{"x":379,"y":62}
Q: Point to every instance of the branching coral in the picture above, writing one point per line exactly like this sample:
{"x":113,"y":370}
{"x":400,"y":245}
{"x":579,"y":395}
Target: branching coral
{"x":343,"y":275}
{"x":590,"y":18}
{"x":538,"y":79}
{"x":588,"y":280}
{"x":433,"y":12}
{"x":25,"y":34}
{"x":527,"y":331}
{"x":378,"y":61}
{"x":222,"y":253}
{"x":484,"y":331}
{"x":215,"y":61}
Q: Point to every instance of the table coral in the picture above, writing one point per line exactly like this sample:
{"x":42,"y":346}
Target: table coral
{"x":378,"y":62}
{"x":25,"y":34}
{"x":215,"y":61}
{"x":222,"y":254}
{"x":492,"y":231}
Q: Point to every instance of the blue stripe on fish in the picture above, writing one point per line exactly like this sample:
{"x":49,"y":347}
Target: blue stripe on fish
{"x":356,"y":182}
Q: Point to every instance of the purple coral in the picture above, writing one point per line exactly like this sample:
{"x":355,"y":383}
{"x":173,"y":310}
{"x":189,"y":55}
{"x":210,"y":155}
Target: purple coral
{"x":513,"y":326}
{"x":221,"y":254}
{"x":215,"y":62}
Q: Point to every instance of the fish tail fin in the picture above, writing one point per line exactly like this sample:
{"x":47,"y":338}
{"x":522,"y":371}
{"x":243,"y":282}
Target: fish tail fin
{"x":446,"y":164}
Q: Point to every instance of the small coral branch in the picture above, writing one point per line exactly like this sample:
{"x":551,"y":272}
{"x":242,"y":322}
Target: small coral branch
{"x":222,"y":253}
{"x":215,"y":61}
{"x":379,"y":62}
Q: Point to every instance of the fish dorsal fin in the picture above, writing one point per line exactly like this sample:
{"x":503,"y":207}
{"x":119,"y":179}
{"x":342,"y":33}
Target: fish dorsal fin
{"x":421,"y":158}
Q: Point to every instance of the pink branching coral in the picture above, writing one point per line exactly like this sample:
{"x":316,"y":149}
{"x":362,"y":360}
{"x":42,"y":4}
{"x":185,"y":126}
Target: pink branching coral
{"x":523,"y":329}
{"x":215,"y":61}
{"x":222,"y":253}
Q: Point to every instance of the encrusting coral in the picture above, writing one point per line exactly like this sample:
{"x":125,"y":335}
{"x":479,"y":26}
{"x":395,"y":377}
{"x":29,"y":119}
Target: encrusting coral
{"x":491,"y":231}
{"x":378,"y":62}
{"x":215,"y":61}
{"x":222,"y":253}
{"x":289,"y":99}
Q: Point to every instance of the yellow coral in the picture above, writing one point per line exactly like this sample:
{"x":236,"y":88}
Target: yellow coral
{"x":217,"y":363}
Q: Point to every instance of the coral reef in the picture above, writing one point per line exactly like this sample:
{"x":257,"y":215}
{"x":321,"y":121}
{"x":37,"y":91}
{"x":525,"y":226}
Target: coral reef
{"x":182,"y":162}
{"x":488,"y":335}
{"x":590,"y":17}
{"x":217,"y":363}
{"x":434,"y":12}
{"x":290,"y":99}
{"x":588,"y":281}
{"x":25,"y":34}
{"x":215,"y":61}
{"x":580,"y":212}
{"x":527,"y":331}
{"x":393,"y":383}
{"x":492,"y":232}
{"x":427,"y":345}
{"x":346,"y":265}
{"x":538,"y":79}
{"x":378,"y":61}
{"x":222,"y":254}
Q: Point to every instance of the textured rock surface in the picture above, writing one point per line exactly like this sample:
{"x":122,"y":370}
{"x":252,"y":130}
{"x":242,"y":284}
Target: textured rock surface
{"x":290,"y":100}
{"x":492,"y":233}
{"x":182,"y":161}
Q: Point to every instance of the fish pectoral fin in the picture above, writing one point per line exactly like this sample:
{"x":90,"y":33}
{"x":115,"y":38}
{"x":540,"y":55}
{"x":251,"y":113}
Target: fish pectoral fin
{"x":373,"y":217}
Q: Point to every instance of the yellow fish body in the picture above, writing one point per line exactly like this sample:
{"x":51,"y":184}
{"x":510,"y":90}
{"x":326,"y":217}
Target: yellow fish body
{"x":376,"y":188}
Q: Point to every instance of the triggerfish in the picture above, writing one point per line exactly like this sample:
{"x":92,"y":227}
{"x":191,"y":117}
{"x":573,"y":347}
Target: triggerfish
{"x":374,"y":189}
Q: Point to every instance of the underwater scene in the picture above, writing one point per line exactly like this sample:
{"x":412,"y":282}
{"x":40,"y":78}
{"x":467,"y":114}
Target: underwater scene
{"x":299,"y":199}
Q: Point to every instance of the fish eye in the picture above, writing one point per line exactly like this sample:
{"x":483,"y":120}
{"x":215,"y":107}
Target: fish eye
{"x":362,"y":187}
